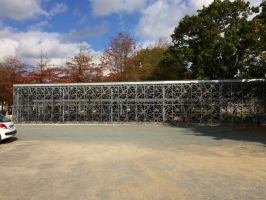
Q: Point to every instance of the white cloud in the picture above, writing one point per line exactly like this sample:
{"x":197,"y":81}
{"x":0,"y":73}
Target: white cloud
{"x":86,"y":32}
{"x":58,"y":8}
{"x":1,"y":24}
{"x":255,"y":2}
{"x":26,"y":46}
{"x":20,"y":10}
{"x":77,"y":12}
{"x":82,"y":20}
{"x":198,"y":4}
{"x":38,"y":26}
{"x":27,"y":9}
{"x":8,"y":47}
{"x":162,"y":16}
{"x":105,"y":7}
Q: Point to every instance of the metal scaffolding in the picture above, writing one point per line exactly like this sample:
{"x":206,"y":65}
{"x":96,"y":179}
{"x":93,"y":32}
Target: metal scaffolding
{"x":185,"y":102}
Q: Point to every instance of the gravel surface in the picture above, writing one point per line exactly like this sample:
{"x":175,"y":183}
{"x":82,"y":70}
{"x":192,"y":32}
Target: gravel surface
{"x":132,"y":162}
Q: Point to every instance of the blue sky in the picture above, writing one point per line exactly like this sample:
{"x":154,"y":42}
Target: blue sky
{"x":57,"y":26}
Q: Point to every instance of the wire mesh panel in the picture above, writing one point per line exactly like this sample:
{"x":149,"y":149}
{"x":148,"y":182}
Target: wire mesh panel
{"x":183,"y":102}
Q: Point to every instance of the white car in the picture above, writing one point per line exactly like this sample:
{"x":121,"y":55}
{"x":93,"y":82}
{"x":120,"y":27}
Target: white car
{"x":7,"y":128}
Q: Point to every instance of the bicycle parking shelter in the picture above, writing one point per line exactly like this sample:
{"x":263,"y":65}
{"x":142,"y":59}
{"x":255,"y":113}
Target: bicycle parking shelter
{"x":205,"y":102}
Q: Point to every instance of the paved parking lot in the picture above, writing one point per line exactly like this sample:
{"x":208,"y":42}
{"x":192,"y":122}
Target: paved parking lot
{"x":132,"y":162}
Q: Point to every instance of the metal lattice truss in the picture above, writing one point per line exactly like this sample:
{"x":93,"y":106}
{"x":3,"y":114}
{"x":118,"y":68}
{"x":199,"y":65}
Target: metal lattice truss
{"x":191,"y":102}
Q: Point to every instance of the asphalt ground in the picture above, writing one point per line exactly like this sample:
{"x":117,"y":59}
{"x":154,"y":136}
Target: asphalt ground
{"x":132,"y":162}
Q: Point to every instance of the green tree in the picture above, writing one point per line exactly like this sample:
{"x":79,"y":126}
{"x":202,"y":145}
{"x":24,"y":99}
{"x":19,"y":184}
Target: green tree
{"x":148,"y":59}
{"x":260,"y":25}
{"x":257,"y":68}
{"x":215,"y":44}
{"x":174,"y":64}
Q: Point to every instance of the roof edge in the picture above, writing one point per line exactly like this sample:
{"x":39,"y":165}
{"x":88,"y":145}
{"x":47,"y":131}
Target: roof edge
{"x":143,"y":82}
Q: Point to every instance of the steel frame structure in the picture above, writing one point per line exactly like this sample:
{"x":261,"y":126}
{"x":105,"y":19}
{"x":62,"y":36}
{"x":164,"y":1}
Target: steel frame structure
{"x":185,"y":102}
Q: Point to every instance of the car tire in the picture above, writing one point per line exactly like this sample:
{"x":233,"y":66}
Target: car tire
{"x":0,"y":139}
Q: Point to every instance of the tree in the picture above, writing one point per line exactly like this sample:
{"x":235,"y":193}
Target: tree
{"x":217,"y":43}
{"x":148,"y":59}
{"x":117,"y":58}
{"x":260,"y":25}
{"x":43,"y":71}
{"x":257,"y":68}
{"x":80,"y":68}
{"x":12,"y":71}
{"x":174,"y":65}
{"x":40,"y":72}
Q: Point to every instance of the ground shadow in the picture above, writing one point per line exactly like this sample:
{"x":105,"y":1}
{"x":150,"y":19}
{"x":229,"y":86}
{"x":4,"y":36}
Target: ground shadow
{"x":10,"y":140}
{"x":222,"y":132}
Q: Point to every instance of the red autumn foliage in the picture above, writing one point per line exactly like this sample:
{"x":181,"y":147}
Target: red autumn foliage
{"x":11,"y":71}
{"x":43,"y":71}
{"x":48,"y":75}
{"x":117,"y":58}
{"x":81,"y":69}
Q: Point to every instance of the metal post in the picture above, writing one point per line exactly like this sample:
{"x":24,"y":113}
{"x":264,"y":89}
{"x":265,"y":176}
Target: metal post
{"x":163,"y":103}
{"x":220,"y":103}
{"x":112,"y":105}
{"x":258,"y":119}
{"x":63,"y":112}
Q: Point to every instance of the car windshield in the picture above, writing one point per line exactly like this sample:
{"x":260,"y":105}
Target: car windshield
{"x":4,"y":119}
